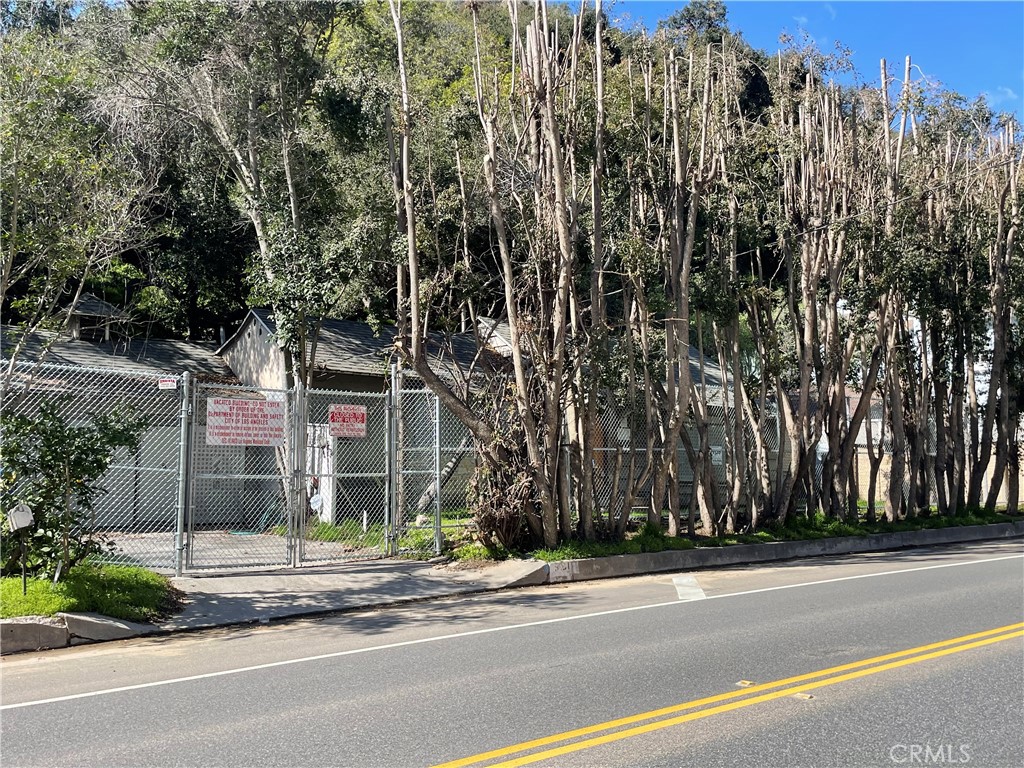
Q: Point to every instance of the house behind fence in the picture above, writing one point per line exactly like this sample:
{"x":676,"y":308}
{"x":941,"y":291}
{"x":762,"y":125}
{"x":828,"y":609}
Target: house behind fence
{"x":236,"y":470}
{"x":228,"y":475}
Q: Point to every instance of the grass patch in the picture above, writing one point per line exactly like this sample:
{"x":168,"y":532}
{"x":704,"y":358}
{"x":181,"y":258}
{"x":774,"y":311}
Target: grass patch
{"x":468,"y":551}
{"x":348,"y":532}
{"x":760,"y":537}
{"x":117,"y":591}
{"x":418,"y":543}
{"x":649,"y":539}
{"x":797,"y":528}
{"x":818,"y":526}
{"x":932,"y":520}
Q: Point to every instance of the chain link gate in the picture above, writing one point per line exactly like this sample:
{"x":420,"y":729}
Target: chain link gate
{"x":345,"y":479}
{"x":242,"y":466}
{"x":417,"y":503}
{"x":231,"y":476}
{"x":139,"y":513}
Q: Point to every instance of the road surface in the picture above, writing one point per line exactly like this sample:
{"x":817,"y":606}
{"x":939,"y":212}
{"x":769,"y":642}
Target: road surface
{"x":908,"y":658}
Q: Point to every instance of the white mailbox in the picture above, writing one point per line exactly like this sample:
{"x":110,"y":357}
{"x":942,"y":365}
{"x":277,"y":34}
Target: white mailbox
{"x":19,"y":518}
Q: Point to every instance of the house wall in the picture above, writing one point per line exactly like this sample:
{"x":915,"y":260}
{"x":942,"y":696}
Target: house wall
{"x":255,"y":358}
{"x":141,"y":487}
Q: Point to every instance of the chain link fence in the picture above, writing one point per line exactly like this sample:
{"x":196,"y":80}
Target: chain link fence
{"x":228,"y":476}
{"x":458,"y":459}
{"x":139,"y":510}
{"x":628,"y":450}
{"x":436,"y":460}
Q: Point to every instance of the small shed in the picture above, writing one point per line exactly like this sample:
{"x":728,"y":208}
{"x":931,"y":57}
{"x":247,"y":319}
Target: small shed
{"x":350,"y":355}
{"x":93,"y":318}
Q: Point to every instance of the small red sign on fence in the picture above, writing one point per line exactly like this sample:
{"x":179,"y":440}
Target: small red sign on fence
{"x":347,"y":420}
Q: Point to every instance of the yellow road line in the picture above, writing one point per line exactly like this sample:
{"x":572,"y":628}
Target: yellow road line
{"x":619,"y":735}
{"x":747,"y":693}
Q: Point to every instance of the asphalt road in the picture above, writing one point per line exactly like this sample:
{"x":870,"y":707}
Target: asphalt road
{"x":912,"y":658}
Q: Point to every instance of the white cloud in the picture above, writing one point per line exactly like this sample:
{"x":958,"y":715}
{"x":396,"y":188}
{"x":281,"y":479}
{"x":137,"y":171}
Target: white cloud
{"x":801,"y":20}
{"x":1001,"y":95}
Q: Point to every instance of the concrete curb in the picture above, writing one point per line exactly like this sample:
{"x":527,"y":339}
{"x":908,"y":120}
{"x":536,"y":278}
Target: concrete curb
{"x":528,"y":573}
{"x":94,"y":628}
{"x":32,"y":633}
{"x":38,"y":633}
{"x":742,"y":554}
{"x":43,"y":633}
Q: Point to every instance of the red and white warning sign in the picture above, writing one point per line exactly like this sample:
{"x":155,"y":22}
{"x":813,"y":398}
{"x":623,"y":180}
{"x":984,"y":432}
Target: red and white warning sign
{"x":244,"y":422}
{"x":347,"y":420}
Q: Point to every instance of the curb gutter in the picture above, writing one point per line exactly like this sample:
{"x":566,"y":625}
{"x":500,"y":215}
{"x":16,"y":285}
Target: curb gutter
{"x":743,"y":554}
{"x":36,"y":633}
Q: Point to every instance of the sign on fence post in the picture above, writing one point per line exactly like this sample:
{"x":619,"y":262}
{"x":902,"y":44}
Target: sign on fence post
{"x":347,"y":420}
{"x":244,"y":422}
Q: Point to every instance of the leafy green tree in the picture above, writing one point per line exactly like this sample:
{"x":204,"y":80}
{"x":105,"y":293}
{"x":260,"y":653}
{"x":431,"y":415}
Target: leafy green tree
{"x":48,"y":16}
{"x":190,"y":278}
{"x":248,"y":78}
{"x":73,"y":196}
{"x":53,"y":464}
{"x":699,"y":22}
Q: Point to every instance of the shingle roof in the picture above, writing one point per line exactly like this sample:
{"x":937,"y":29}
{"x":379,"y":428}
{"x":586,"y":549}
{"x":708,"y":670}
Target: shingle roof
{"x":150,"y":355}
{"x":92,"y":306}
{"x":498,"y":335}
{"x":712,"y":371}
{"x":348,"y":346}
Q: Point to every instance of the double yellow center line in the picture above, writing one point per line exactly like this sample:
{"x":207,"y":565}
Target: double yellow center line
{"x":616,"y":730}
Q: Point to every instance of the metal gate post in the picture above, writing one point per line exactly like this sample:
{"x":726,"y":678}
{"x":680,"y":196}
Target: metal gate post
{"x":298,"y":507}
{"x":391,"y":459}
{"x":191,"y":512}
{"x":437,"y":475}
{"x":184,"y":469}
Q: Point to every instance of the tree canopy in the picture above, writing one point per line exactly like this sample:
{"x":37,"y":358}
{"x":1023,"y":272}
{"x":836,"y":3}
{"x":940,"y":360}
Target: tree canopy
{"x":847,"y":257}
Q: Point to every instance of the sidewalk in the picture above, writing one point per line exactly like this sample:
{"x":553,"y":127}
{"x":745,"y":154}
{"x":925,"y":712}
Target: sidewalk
{"x":217,"y":600}
{"x":226,"y":599}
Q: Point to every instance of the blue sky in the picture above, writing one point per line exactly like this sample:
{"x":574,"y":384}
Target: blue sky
{"x":970,"y":47}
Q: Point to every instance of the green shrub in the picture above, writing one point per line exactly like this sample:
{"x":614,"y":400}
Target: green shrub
{"x":473,"y":550}
{"x":53,"y":466}
{"x":417,"y":540}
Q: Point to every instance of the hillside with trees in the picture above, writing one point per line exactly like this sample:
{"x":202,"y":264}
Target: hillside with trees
{"x":847,"y":255}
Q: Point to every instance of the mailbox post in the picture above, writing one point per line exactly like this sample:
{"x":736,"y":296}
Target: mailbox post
{"x":19,"y":520}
